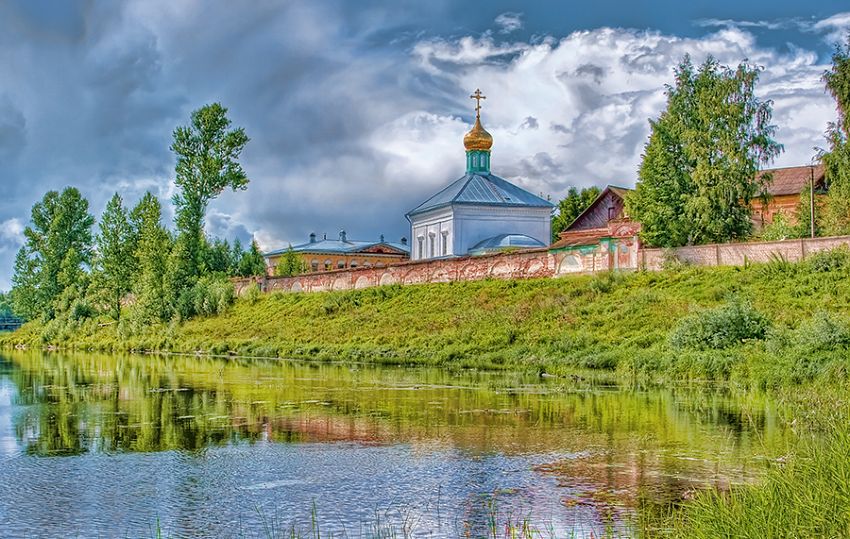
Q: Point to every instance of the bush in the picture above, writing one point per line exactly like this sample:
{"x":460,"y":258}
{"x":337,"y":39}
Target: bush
{"x":832,"y":260}
{"x":719,"y":328}
{"x":252,"y":294}
{"x":824,"y":331}
{"x":210,"y":295}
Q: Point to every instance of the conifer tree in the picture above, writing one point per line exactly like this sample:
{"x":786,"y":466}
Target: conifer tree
{"x":289,"y":264}
{"x":570,"y":207}
{"x":252,"y":262}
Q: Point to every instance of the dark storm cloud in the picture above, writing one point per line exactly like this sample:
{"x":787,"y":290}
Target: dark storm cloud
{"x":355,"y":110}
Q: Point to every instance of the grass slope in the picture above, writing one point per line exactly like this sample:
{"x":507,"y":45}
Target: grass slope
{"x":611,"y":321}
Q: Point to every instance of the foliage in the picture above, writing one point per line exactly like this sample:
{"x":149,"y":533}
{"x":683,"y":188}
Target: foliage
{"x":699,"y":169}
{"x":115,"y":259}
{"x":252,"y":262}
{"x":6,"y":308}
{"x":780,"y":229}
{"x":289,"y":264}
{"x":152,"y":299}
{"x":720,"y":327}
{"x":58,"y":246}
{"x":210,"y":295}
{"x":571,"y":206}
{"x":207,"y":163}
{"x":220,"y":258}
{"x":829,"y":261}
{"x":837,"y":159}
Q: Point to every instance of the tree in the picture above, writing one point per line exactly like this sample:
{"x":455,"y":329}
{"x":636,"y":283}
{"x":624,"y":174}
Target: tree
{"x":152,"y":303}
{"x":837,"y":160}
{"x":217,"y":257}
{"x":207,"y":163}
{"x":252,"y":262}
{"x":570,"y":207}
{"x":57,"y":248}
{"x":115,"y":259}
{"x":289,"y":264}
{"x":699,"y":170}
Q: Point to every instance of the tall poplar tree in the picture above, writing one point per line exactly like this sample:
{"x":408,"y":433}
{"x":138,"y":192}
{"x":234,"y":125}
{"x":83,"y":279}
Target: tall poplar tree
{"x":207,"y":153}
{"x":837,"y":160}
{"x":115,"y":258}
{"x":58,"y":247}
{"x":152,"y":252}
{"x":699,"y":170}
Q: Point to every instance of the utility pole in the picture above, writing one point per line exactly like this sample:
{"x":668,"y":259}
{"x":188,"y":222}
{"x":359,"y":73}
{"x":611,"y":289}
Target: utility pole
{"x":812,"y":200}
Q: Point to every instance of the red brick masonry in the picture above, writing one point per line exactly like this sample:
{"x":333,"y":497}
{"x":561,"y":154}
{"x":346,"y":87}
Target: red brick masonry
{"x":544,"y":263}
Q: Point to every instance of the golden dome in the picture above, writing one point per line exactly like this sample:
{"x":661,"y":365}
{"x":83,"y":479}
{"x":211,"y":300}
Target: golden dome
{"x":478,"y":138}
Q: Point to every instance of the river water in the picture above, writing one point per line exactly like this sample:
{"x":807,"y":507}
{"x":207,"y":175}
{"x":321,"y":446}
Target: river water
{"x":120,"y":445}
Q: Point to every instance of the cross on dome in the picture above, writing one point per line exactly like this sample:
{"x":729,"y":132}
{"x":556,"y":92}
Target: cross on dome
{"x":478,"y":96}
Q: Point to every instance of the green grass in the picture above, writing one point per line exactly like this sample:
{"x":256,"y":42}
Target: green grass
{"x":659,"y":325}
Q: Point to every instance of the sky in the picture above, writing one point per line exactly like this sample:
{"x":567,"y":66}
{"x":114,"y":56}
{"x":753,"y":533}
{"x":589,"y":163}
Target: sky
{"x":356,"y":110}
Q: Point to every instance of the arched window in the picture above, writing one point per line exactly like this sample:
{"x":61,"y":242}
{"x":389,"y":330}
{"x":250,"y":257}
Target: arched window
{"x":353,"y":264}
{"x":327,"y":265}
{"x":340,"y":264}
{"x":431,"y":251}
{"x":314,"y":265}
{"x":421,"y":244}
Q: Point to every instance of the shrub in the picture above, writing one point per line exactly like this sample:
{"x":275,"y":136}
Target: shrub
{"x":719,"y":328}
{"x":210,"y":295}
{"x":252,"y":294}
{"x":780,"y":229}
{"x":823,"y":331}
{"x":834,"y":259}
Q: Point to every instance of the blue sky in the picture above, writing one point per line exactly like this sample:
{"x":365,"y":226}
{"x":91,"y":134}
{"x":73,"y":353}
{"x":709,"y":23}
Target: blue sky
{"x":356,"y":110}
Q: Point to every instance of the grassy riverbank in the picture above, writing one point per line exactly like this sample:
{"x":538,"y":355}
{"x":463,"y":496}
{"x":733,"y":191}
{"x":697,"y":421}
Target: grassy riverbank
{"x":764,"y":325}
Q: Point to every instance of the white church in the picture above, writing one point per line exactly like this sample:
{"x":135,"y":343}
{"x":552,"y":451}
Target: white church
{"x":479,"y":213}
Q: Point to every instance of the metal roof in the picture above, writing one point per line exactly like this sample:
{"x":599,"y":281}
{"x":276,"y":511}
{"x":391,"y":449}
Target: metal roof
{"x":338,"y":247}
{"x":482,"y":189}
{"x":505,"y":241}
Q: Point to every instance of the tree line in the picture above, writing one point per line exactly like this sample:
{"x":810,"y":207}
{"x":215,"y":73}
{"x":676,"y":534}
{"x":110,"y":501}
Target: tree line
{"x":699,"y":172}
{"x":133,"y":266}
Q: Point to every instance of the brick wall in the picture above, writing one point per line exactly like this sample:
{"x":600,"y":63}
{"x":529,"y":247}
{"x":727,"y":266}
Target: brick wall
{"x":738,"y":254}
{"x":543,"y":263}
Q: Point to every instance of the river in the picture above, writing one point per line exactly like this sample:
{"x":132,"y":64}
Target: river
{"x":95,"y":445}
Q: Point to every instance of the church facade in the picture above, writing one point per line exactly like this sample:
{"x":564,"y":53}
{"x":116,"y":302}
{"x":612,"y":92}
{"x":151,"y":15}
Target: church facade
{"x":479,"y":213}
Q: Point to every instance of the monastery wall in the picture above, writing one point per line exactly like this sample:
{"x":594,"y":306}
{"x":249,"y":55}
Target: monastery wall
{"x":739,"y":254}
{"x":537,"y":263}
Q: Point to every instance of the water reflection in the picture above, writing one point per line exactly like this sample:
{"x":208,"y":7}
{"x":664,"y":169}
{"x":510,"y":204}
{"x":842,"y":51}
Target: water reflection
{"x":204,"y":443}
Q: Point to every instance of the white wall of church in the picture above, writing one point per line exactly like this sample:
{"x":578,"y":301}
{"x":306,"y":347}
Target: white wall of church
{"x":432,"y":234}
{"x":452,"y":231}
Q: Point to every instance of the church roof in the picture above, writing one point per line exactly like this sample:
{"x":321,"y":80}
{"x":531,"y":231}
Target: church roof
{"x":505,"y":241}
{"x":482,"y":189}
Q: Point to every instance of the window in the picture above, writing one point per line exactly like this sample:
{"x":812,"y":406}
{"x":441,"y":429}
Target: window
{"x":340,"y":264}
{"x":353,"y":264}
{"x":445,"y":245}
{"x":327,"y":265}
{"x":421,"y":244}
{"x":431,"y":250}
{"x":314,"y":265}
{"x":612,"y":213}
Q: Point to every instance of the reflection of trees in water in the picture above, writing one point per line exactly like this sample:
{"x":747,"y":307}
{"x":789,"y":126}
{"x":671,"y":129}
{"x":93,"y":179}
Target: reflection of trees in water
{"x":91,"y":402}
